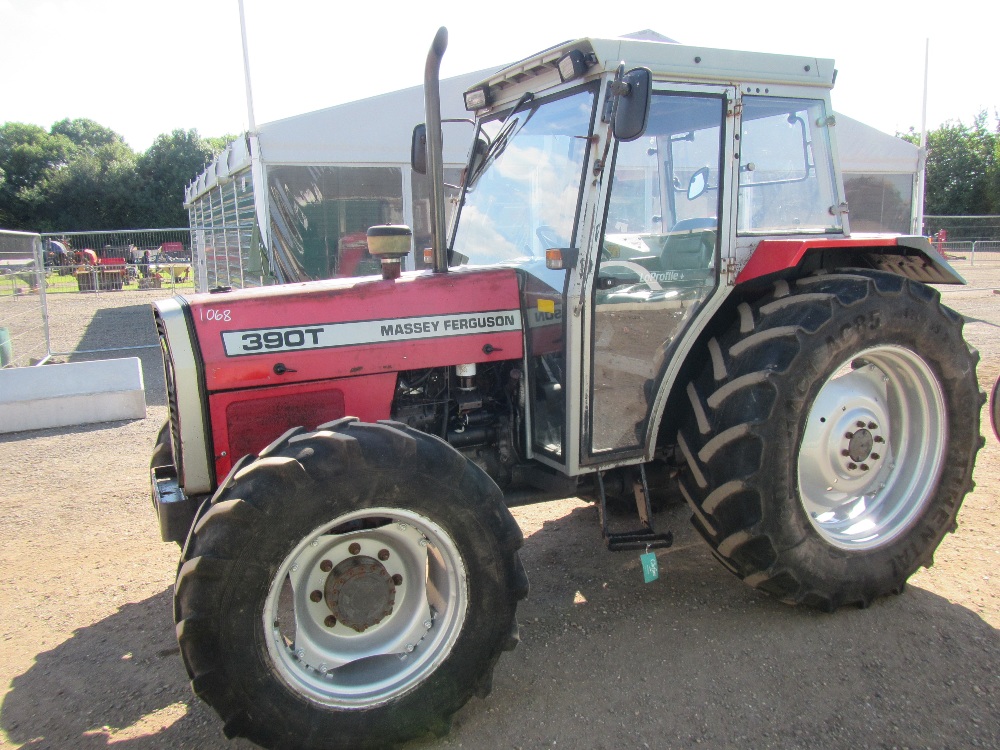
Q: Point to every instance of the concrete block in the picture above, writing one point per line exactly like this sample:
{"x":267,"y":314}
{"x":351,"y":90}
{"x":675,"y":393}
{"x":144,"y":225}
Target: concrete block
{"x":34,"y":398}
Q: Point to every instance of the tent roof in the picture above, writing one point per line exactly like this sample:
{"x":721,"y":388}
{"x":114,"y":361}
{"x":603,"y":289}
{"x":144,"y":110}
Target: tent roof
{"x":865,"y":149}
{"x":377,"y":130}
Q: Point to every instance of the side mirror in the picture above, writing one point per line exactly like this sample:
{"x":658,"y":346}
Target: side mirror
{"x":418,"y":149}
{"x":633,"y":92}
{"x":698,"y":184}
{"x":479,"y":151}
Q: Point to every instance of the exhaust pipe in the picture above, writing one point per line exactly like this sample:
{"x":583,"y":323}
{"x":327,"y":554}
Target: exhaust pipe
{"x":435,"y":147}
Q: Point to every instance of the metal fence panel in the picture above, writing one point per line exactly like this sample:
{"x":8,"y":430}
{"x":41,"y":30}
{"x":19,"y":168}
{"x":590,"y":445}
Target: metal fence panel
{"x":23,"y":319}
{"x":985,"y":251}
{"x":955,"y":252}
{"x":128,"y":267}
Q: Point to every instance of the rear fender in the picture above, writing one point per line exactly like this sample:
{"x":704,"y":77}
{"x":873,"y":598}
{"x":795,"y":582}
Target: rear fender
{"x":912,"y":257}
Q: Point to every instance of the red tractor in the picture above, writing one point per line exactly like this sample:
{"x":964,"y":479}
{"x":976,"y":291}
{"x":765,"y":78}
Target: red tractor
{"x":650,"y":275}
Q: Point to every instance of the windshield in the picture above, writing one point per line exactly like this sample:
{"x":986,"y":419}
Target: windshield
{"x":522,"y":198}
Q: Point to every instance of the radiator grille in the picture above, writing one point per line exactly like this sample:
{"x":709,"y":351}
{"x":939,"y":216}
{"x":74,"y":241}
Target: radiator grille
{"x":172,"y":412}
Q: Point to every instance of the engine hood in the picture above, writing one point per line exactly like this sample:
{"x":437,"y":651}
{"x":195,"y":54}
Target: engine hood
{"x":351,"y":327}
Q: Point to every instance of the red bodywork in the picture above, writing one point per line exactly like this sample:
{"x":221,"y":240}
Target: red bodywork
{"x":913,"y":257}
{"x":253,"y":397}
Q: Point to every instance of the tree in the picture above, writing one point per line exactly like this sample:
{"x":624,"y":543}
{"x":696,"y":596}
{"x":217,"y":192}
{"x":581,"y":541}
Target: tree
{"x":85,"y":134}
{"x":165,"y":170}
{"x":962,"y":168}
{"x":29,"y":158}
{"x":97,"y":190}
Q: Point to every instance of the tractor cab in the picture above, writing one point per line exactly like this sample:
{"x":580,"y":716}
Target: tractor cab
{"x":627,"y":200}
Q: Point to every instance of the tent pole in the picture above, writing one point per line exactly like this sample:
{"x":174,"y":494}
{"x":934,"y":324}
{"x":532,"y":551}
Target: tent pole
{"x":246,"y":69}
{"x":918,"y":221}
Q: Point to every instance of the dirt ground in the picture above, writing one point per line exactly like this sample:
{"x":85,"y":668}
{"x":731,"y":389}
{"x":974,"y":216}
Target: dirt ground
{"x":696,"y":658}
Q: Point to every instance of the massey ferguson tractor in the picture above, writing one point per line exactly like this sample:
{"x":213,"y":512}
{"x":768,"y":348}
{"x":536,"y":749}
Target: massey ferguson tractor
{"x":649,"y":279}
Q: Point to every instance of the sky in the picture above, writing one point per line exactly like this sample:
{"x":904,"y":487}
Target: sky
{"x":146,"y":67}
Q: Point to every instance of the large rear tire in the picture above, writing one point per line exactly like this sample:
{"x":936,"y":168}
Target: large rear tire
{"x":832,"y":436}
{"x":348,"y":588}
{"x":995,"y":408}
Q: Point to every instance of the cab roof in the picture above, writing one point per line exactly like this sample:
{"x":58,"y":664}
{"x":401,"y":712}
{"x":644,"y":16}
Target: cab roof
{"x":669,"y":62}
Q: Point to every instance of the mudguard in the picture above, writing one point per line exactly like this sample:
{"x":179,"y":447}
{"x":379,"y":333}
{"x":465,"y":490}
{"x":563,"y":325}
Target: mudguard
{"x":912,"y":257}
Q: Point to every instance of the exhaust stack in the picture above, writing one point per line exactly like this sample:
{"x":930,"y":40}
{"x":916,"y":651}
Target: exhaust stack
{"x":435,"y":148}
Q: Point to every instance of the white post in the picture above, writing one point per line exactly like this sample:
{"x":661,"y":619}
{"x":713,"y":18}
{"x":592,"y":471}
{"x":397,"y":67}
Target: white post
{"x":258,"y":174}
{"x":918,"y":221}
{"x":246,"y":70}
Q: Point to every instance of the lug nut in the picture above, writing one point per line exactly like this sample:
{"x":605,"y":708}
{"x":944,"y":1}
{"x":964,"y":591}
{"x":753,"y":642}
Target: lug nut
{"x":864,"y":467}
{"x":860,"y":423}
{"x":330,"y":621}
{"x":383,"y":555}
{"x":879,"y":439}
{"x":875,"y":457}
{"x":354,"y":548}
{"x":852,"y":466}
{"x":845,"y":452}
{"x":397,"y":579}
{"x":848,"y":435}
{"x":326,"y":566}
{"x":872,"y":426}
{"x":316,"y":596}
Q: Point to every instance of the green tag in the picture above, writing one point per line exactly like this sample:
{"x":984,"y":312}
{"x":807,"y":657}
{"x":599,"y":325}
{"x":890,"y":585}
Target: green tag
{"x":650,"y":567}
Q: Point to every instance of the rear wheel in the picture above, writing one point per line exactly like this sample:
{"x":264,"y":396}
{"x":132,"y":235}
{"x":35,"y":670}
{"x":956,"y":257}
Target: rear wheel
{"x":351,"y":587}
{"x":832,"y":436}
{"x":995,"y":408}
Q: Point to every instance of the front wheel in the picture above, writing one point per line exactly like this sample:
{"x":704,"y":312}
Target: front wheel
{"x":351,"y":587}
{"x":831,"y":437}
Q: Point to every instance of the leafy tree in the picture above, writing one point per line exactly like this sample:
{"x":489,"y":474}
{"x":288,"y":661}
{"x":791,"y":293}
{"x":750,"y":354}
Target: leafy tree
{"x":85,"y":134}
{"x":962,"y":168}
{"x":96,"y":190}
{"x":29,"y":158}
{"x":165,"y":170}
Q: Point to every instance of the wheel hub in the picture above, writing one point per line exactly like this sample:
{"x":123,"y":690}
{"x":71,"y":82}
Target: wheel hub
{"x":860,"y":446}
{"x":360,"y":592}
{"x":872,"y":448}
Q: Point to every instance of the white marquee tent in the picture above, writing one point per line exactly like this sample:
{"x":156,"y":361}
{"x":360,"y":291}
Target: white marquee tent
{"x":317,"y":181}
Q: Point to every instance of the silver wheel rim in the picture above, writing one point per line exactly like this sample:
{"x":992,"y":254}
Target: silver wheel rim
{"x":873,"y":448}
{"x":364,"y":658}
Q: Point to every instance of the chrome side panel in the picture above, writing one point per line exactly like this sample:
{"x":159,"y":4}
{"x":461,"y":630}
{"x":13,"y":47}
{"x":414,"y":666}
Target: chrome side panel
{"x":196,"y":472}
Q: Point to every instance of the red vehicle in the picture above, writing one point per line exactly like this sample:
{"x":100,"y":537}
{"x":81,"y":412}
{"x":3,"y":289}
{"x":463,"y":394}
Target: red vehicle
{"x":99,"y":273}
{"x":650,"y":276}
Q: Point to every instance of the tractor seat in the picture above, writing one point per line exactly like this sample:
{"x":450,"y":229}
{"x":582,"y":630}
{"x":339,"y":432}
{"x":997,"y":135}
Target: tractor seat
{"x":690,"y":245}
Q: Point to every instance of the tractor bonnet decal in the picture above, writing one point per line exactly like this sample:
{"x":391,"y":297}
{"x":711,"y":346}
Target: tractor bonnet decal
{"x":330,"y":335}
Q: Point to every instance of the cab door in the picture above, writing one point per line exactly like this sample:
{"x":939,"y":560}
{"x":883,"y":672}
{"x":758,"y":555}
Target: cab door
{"x":665,"y":225}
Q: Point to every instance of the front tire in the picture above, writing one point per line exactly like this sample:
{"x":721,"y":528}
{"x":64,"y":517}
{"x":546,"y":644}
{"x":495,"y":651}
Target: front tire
{"x":349,"y":588}
{"x":831,"y":437}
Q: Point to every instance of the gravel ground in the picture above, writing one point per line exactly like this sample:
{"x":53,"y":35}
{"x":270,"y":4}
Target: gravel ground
{"x":696,"y":658}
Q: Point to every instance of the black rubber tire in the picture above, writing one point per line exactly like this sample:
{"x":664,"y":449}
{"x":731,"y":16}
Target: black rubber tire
{"x":749,"y":406}
{"x":259,"y":515}
{"x":163,"y":451}
{"x":995,"y":408}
